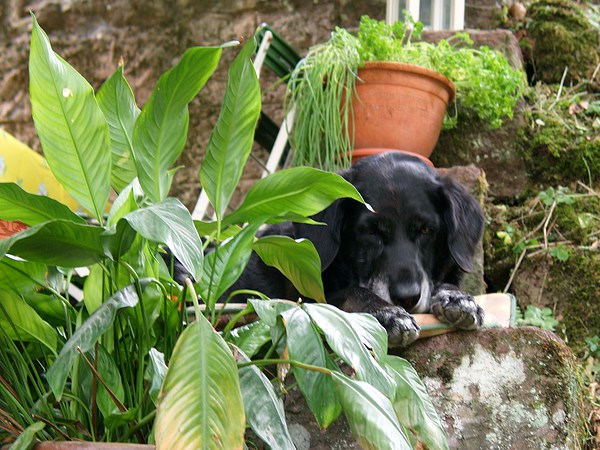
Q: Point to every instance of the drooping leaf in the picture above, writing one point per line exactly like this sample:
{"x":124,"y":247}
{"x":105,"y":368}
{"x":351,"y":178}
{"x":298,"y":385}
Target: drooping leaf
{"x":16,"y":204}
{"x":117,"y":102}
{"x":269,"y":310}
{"x":21,"y":276}
{"x":160,"y":131}
{"x":370,"y":415}
{"x":413,"y":406}
{"x":71,"y":126}
{"x":344,"y":340}
{"x":27,"y":439}
{"x":264,"y":409}
{"x":86,"y":336}
{"x":170,"y":223}
{"x":305,"y":345}
{"x":371,"y":333}
{"x":225,"y":264}
{"x":21,"y":322}
{"x":298,"y":260}
{"x":231,"y":139}
{"x":203,"y":382}
{"x":155,"y":374}
{"x":287,"y":194}
{"x":58,"y":243}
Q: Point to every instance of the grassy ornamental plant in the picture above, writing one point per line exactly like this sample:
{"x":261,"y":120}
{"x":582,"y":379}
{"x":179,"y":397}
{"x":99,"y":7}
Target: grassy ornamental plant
{"x":486,"y":86}
{"x":123,"y":360}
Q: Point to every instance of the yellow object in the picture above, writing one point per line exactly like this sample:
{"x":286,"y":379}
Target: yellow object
{"x":21,"y":165}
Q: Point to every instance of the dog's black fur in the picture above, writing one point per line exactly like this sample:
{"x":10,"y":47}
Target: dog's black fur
{"x":405,"y":255}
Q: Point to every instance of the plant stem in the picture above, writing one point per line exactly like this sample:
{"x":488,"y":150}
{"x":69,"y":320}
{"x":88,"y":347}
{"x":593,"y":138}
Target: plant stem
{"x":266,"y":362}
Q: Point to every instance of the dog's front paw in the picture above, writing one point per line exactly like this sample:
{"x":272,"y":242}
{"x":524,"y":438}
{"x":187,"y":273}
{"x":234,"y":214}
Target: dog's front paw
{"x":401,"y":326}
{"x":457,"y":308}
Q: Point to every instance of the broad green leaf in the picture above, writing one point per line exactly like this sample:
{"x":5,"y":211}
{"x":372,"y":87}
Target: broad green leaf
{"x":155,"y":373}
{"x":160,"y":131}
{"x":225,"y":264}
{"x":269,"y":310}
{"x":264,"y":409}
{"x":298,"y":260}
{"x":58,"y":243}
{"x":170,"y":223}
{"x":21,"y":276}
{"x":117,"y":102}
{"x":346,"y":342}
{"x":21,"y":322}
{"x":301,"y":191}
{"x":26,"y":439}
{"x":250,"y":338}
{"x":71,"y":126}
{"x":413,"y":406}
{"x":50,"y":308}
{"x":371,"y":333}
{"x":16,"y":204}
{"x":305,"y":345}
{"x":127,"y":201}
{"x":200,"y":403}
{"x":231,"y":140}
{"x":370,"y":415}
{"x":87,"y":334}
{"x":117,"y":239}
{"x":95,"y":288}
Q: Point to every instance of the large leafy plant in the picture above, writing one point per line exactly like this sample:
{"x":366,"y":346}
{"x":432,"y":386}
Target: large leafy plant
{"x":486,"y":86}
{"x":96,"y":341}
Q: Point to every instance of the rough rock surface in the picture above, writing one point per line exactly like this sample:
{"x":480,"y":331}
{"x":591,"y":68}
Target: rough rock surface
{"x":496,"y":389}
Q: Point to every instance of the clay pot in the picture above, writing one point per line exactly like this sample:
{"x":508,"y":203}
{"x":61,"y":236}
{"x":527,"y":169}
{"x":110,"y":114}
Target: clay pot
{"x":10,"y":227}
{"x":399,"y":106}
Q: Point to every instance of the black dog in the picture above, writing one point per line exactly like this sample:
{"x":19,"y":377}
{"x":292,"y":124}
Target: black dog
{"x":405,"y":255}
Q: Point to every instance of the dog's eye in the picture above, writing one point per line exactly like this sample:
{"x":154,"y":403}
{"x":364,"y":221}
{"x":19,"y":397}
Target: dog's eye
{"x":424,"y":229}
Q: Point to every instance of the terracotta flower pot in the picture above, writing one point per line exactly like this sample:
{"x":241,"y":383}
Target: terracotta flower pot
{"x":399,"y":106}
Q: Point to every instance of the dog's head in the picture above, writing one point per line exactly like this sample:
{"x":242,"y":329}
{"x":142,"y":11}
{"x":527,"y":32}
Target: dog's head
{"x":422,"y":230}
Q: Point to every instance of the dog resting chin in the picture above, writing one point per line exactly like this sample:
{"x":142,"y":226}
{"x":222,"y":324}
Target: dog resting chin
{"x":404,"y":255}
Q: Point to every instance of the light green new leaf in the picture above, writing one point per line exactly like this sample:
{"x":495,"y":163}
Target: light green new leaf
{"x":59,"y":243}
{"x":71,"y":126}
{"x":160,"y":131}
{"x":117,"y":102}
{"x":301,"y":191}
{"x":200,"y":403}
{"x":21,"y":322}
{"x":16,"y":204}
{"x":346,"y":342}
{"x":298,"y":260}
{"x":413,"y":406}
{"x":370,"y":415}
{"x":225,"y":264}
{"x":87,"y":334}
{"x":305,"y":345}
{"x":231,"y":139}
{"x":264,"y":409}
{"x":21,"y":276}
{"x":269,"y":310}
{"x":170,"y":223}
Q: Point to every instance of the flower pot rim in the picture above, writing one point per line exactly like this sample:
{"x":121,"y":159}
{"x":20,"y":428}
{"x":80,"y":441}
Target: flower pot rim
{"x":412,"y":68}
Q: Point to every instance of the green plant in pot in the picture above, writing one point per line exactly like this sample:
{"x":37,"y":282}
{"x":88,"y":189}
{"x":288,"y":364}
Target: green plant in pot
{"x":123,"y":360}
{"x":340,"y":87}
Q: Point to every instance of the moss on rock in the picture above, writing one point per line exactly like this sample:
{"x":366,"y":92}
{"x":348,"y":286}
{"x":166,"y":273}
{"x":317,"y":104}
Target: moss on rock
{"x":562,"y":37}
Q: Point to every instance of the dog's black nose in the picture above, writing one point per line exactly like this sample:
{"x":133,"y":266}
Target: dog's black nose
{"x":406,"y":295}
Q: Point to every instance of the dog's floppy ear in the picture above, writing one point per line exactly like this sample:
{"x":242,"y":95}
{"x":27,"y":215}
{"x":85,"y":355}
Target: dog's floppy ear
{"x":326,"y":238}
{"x":464,"y":219}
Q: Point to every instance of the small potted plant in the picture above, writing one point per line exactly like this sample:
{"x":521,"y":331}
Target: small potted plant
{"x":340,"y":88}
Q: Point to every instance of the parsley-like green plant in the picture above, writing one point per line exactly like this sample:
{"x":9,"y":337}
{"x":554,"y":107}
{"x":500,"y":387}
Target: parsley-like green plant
{"x":487,"y":87}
